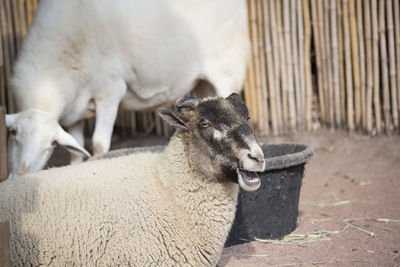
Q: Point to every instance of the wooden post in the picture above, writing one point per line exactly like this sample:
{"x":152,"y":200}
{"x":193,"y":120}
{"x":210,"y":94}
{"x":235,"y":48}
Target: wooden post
{"x":341,"y":61}
{"x":329,"y":67}
{"x":3,"y":99}
{"x":307,"y":63}
{"x":349,"y":77}
{"x":289,"y":65}
{"x":249,"y":89}
{"x":29,"y":11}
{"x":396,"y":8}
{"x":283,"y":71}
{"x":318,"y":53}
{"x":375,"y":57}
{"x":384,"y":66}
{"x":11,"y":50}
{"x":22,"y":17}
{"x":3,"y":145}
{"x":276,"y":63}
{"x":324,"y":61}
{"x":271,"y":70}
{"x":335,"y":65}
{"x":300,"y":34}
{"x":295,"y":62}
{"x":5,"y":61}
{"x":362,"y":63}
{"x":17,"y":21}
{"x":392,"y":63}
{"x":256,"y":67}
{"x":263,"y":94}
{"x":355,"y":61}
{"x":369,"y":73}
{"x":4,"y":244}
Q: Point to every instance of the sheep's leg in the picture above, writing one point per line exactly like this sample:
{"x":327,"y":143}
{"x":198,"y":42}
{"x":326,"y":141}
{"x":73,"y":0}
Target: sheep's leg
{"x":76,"y":131}
{"x":106,"y":113}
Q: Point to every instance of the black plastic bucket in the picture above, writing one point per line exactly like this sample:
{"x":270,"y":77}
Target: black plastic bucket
{"x":271,"y":211}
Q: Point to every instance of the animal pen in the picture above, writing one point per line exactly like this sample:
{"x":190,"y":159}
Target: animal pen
{"x":313,"y":63}
{"x":332,"y":64}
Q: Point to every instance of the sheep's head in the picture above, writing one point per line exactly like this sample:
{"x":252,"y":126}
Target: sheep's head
{"x":33,"y":134}
{"x":218,"y":133}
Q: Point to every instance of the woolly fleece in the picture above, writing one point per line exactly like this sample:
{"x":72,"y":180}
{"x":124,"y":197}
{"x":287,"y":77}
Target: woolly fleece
{"x":145,"y":209}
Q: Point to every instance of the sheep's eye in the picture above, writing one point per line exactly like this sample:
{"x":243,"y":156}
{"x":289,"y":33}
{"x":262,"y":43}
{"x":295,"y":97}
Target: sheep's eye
{"x":204,"y":124}
{"x":13,"y":132}
{"x":248,"y":118}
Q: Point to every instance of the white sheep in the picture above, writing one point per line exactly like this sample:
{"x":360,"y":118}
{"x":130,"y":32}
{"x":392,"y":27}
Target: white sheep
{"x":173,"y":207}
{"x":86,"y":57}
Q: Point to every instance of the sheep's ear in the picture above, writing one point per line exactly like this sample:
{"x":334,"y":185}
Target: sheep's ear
{"x":188,"y":102}
{"x":235,"y":97}
{"x":239,"y":105}
{"x":67,"y":141}
{"x":173,"y":119}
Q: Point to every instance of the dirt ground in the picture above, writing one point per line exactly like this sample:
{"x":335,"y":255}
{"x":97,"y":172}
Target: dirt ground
{"x":349,"y":211}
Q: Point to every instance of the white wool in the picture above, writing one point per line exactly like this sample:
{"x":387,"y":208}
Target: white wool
{"x":86,"y":57}
{"x":77,"y":50}
{"x":145,"y":209}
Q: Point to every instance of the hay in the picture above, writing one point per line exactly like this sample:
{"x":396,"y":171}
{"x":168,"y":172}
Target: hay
{"x":303,"y":239}
{"x":372,"y":234}
{"x":349,"y":222}
{"x":298,"y":264}
{"x":324,"y":204}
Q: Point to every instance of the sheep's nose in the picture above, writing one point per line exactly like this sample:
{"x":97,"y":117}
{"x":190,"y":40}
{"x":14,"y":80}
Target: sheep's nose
{"x":257,"y":156}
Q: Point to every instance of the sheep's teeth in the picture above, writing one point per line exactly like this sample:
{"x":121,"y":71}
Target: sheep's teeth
{"x":249,"y":181}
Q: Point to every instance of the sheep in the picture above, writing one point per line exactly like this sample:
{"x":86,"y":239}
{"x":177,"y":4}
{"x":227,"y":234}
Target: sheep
{"x":92,"y":57}
{"x":171,"y":207}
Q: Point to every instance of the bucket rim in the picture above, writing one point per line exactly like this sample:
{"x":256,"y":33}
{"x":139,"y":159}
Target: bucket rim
{"x":301,"y":155}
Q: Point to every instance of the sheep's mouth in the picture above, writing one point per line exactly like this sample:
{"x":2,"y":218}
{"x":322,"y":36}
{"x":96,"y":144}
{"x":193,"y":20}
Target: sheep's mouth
{"x":249,"y":181}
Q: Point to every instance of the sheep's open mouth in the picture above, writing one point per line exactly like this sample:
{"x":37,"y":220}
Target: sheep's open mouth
{"x":249,"y":181}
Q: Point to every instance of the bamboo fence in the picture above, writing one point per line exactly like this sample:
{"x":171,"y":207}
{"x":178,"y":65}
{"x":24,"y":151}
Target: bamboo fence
{"x":314,"y":63}
{"x":338,"y":59}
{"x":3,"y":142}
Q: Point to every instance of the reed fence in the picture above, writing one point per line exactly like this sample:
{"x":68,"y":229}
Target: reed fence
{"x":3,"y":146}
{"x":314,"y":63}
{"x":334,"y":63}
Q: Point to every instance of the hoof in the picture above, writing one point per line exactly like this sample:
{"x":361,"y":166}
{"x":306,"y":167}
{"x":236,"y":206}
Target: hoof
{"x":76,"y":158}
{"x":98,"y":149}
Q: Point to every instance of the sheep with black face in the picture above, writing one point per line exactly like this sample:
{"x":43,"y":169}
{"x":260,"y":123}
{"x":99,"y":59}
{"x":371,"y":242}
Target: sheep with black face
{"x":172,"y":207}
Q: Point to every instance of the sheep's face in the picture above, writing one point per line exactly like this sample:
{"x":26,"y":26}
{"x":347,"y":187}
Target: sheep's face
{"x":220,"y":134}
{"x":32,"y":137}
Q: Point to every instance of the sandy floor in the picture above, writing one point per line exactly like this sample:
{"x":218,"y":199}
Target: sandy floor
{"x":349,"y":212}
